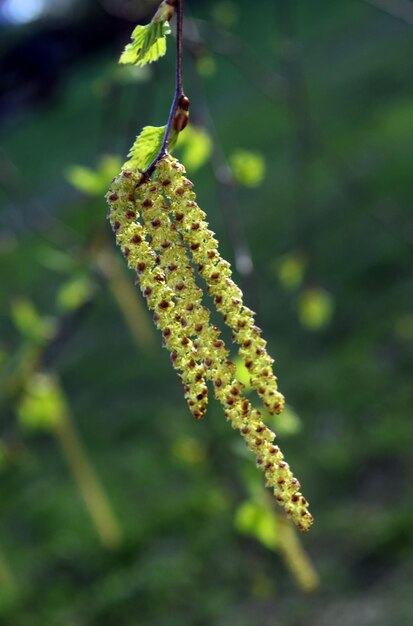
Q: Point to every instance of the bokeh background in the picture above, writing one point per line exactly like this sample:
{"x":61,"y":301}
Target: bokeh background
{"x":116,"y":508}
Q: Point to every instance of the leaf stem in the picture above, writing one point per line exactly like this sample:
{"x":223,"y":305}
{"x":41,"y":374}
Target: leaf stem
{"x":178,"y":115}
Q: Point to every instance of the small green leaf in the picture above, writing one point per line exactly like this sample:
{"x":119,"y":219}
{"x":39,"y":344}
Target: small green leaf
{"x":259,"y":521}
{"x":84,"y":179}
{"x":248,"y":167}
{"x":28,"y":321}
{"x":94,"y":182}
{"x":74,"y":293}
{"x":196,"y":146}
{"x":56,"y":260}
{"x":146,"y":146}
{"x":315,"y":308}
{"x":43,"y":405}
{"x":290,"y":270}
{"x":286,"y":423}
{"x":148,"y":44}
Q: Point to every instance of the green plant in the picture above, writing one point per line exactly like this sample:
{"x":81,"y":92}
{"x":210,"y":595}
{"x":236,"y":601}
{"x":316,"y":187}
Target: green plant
{"x":163,"y":235}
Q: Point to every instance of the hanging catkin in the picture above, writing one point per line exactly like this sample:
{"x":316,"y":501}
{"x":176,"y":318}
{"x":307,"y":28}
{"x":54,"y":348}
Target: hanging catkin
{"x":163,"y":251}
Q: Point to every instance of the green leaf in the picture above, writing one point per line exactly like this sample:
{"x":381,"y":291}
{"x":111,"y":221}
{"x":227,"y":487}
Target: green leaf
{"x":259,"y":521}
{"x":290,"y":269}
{"x":74,"y":293}
{"x":196,"y":146}
{"x":94,"y":182}
{"x":27,"y":320}
{"x":84,"y":179}
{"x":43,"y":405}
{"x":248,"y":167}
{"x":56,"y":260}
{"x":148,"y":44}
{"x":315,"y":308}
{"x":286,"y":423}
{"x":146,"y":146}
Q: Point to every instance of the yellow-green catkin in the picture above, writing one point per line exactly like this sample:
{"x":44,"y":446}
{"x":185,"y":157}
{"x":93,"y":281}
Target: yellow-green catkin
{"x":172,"y":217}
{"x":180,"y":277}
{"x":174,"y":262}
{"x":190,"y":221}
{"x":132,"y":239}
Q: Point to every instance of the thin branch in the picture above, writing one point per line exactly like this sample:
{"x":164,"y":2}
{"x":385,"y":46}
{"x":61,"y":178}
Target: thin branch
{"x":178,"y":115}
{"x":399,"y":9}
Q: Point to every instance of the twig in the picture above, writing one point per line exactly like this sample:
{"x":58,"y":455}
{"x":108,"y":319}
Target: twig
{"x":178,"y":115}
{"x":87,"y":480}
{"x":399,"y":9}
{"x":125,"y":296}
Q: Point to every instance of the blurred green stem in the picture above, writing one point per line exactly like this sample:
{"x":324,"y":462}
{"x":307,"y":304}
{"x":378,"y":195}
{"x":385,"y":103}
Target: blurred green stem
{"x":93,"y":494}
{"x":296,"y":559}
{"x":131,"y":307}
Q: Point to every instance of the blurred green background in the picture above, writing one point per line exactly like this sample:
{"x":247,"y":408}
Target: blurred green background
{"x":116,"y":508}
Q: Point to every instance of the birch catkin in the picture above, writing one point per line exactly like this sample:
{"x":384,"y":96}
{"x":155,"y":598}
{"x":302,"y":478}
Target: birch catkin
{"x":160,"y":248}
{"x":217,"y":275}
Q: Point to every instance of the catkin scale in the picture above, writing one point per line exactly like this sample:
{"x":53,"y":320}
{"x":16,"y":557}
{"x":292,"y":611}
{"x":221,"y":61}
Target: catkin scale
{"x":174,"y":226}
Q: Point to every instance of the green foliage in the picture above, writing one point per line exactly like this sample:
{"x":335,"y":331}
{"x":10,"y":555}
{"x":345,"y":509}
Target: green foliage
{"x":94,"y":182}
{"x":74,"y":293}
{"x":286,"y":423}
{"x":42,"y":405}
{"x":195,"y":145}
{"x":27,"y":320}
{"x":290,"y":270}
{"x":315,"y":308}
{"x":248,"y":167}
{"x":147,"y":146}
{"x":225,"y":13}
{"x":148,"y":44}
{"x":259,"y":521}
{"x":56,"y":260}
